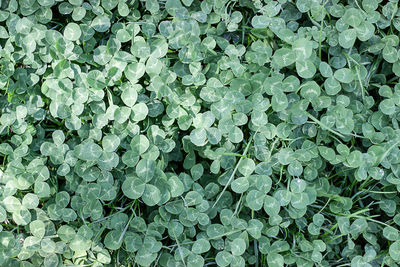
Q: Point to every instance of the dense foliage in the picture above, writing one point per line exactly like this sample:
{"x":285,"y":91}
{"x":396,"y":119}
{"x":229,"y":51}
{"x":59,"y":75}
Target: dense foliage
{"x":199,"y":133}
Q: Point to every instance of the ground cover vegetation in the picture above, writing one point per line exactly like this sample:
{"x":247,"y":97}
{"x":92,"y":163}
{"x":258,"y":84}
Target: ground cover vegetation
{"x":199,"y":133}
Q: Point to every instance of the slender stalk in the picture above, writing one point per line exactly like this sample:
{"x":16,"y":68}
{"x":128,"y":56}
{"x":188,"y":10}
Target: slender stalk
{"x":323,"y":125}
{"x":233,"y":173}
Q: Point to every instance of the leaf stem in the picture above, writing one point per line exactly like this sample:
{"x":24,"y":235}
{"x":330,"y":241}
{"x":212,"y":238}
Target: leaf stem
{"x":233,"y":173}
{"x":323,"y":125}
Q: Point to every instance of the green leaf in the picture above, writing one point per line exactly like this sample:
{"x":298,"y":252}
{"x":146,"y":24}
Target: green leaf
{"x":254,"y":228}
{"x":139,"y":144}
{"x":246,"y":167}
{"x":152,"y":6}
{"x":58,"y":137}
{"x":394,"y":251}
{"x":310,"y":90}
{"x":298,"y":185}
{"x":101,"y":23}
{"x":132,"y":241}
{"x":347,"y":38}
{"x":140,"y":111}
{"x":144,"y":257}
{"x":198,"y":137}
{"x":353,"y":17}
{"x":327,"y":153}
{"x":303,"y":49}
{"x":112,"y":240}
{"x":133,"y":188}
{"x":305,"y":68}
{"x":195,"y":260}
{"x":79,"y":243}
{"x":37,"y":228}
{"x":145,"y":169}
{"x":389,"y":53}
{"x":260,"y":22}
{"x":240,"y":185}
{"x":299,"y":200}
{"x":30,"y":201}
{"x":110,"y":143}
{"x":238,"y":247}
{"x":129,"y":96}
{"x":201,"y":246}
{"x":3,"y":214}
{"x":96,"y":80}
{"x":255,"y":199}
{"x":22,"y":216}
{"x":42,"y":189}
{"x":176,"y":186}
{"x":172,"y":6}
{"x":193,"y":198}
{"x":275,"y":259}
{"x":390,"y":233}
{"x":88,"y":151}
{"x":72,"y":32}
{"x":284,"y":57}
{"x":358,"y":226}
{"x":271,"y":206}
{"x":134,"y":71}
{"x":354,"y":159}
{"x":325,"y":69}
{"x":332,"y":86}
{"x":236,"y":135}
{"x":223,"y":258}
{"x":66,"y":233}
{"x":78,"y":13}
{"x":344,"y":75}
{"x":387,"y":106}
{"x":151,"y":195}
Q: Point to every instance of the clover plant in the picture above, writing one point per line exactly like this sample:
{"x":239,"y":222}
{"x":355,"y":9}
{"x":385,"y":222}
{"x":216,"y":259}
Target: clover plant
{"x":199,"y":133}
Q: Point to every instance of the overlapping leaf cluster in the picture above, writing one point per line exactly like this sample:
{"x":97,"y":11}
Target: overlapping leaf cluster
{"x":199,"y":133}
